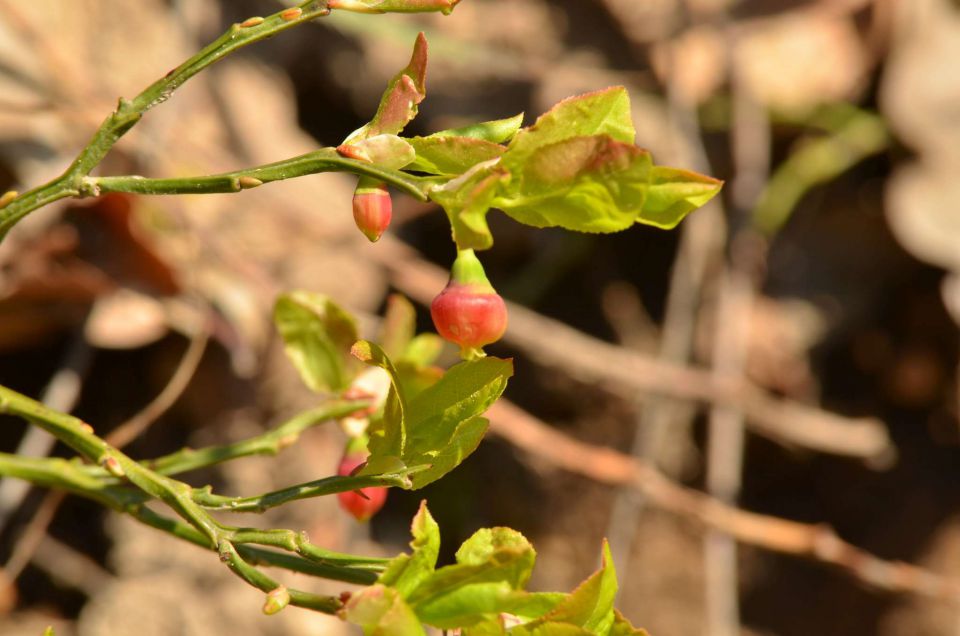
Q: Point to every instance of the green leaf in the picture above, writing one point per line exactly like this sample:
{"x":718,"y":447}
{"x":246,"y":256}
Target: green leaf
{"x":590,"y":606}
{"x":622,"y":627}
{"x":317,"y":335}
{"x":550,"y":628}
{"x":388,"y":434}
{"x":443,"y":424}
{"x":398,"y":327}
{"x":604,"y":112}
{"x":466,"y":201}
{"x":398,"y":105}
{"x":586,"y":184}
{"x":673,"y":194}
{"x":381,"y":611}
{"x":440,"y":426}
{"x":447,"y":155}
{"x":407,"y":571}
{"x":487,"y":545}
{"x":498,"y":131}
{"x":498,"y":556}
{"x":424,"y":349}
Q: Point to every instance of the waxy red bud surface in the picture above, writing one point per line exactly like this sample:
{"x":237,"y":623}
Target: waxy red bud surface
{"x":469,"y":312}
{"x":362,"y":503}
{"x":372,"y":210}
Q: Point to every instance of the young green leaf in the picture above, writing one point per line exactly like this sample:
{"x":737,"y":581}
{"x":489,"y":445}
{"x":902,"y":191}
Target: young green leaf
{"x":407,"y":571}
{"x":423,"y":350}
{"x":550,"y":628}
{"x":467,"y":199}
{"x":586,"y":184}
{"x":673,"y":194}
{"x":381,"y":611}
{"x":388,"y":434}
{"x":444,"y":424}
{"x":590,"y":606}
{"x":604,"y":112}
{"x":499,"y":131}
{"x":622,"y":627}
{"x":398,"y":326}
{"x":498,"y":556}
{"x":448,"y":155}
{"x":398,"y":105}
{"x":317,"y":335}
{"x":440,"y":426}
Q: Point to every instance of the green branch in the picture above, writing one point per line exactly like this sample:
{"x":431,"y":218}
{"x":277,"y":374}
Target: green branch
{"x":269,"y":443}
{"x":128,"y":112}
{"x":322,"y":160}
{"x":318,"y":488}
{"x":201,"y":528}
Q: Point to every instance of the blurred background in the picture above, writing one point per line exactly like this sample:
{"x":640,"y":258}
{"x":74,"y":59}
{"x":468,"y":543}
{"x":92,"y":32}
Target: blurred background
{"x":791,"y":349}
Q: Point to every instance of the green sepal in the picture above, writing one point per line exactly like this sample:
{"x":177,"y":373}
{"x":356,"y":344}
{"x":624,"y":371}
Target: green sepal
{"x":468,"y":270}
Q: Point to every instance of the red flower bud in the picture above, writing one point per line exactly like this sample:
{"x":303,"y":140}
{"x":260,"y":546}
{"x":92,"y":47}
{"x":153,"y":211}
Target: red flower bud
{"x":469,"y":312}
{"x":372,"y":209}
{"x":362,"y":503}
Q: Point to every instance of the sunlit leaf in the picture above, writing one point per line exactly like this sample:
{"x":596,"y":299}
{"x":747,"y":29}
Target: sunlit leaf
{"x":674,"y":193}
{"x":407,"y":571}
{"x":317,"y":335}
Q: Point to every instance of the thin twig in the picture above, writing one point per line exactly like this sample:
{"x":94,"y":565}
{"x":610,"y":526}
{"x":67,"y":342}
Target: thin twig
{"x":61,"y":394}
{"x":35,"y":532}
{"x":32,"y":537}
{"x":139,"y":423}
{"x":701,"y":243}
{"x":588,"y":359}
{"x":817,"y":542}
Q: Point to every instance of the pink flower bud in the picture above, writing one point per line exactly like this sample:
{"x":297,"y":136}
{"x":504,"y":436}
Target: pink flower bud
{"x":362,"y":503}
{"x":372,"y":210}
{"x":469,"y":312}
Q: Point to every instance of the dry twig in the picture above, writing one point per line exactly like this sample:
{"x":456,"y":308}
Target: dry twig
{"x":817,"y":542}
{"x":588,"y":359}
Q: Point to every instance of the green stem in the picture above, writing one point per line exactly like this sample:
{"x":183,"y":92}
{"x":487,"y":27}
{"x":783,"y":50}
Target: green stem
{"x":256,"y":578}
{"x":269,"y":443}
{"x":128,"y":112}
{"x":322,"y":160}
{"x":318,"y":488}
{"x":69,"y":476}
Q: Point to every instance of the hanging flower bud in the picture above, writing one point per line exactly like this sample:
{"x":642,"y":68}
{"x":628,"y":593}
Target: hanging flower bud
{"x":469,"y":312}
{"x":372,"y":208}
{"x":364,"y":502}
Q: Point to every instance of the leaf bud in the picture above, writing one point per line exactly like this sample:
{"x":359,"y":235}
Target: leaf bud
{"x":276,"y":600}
